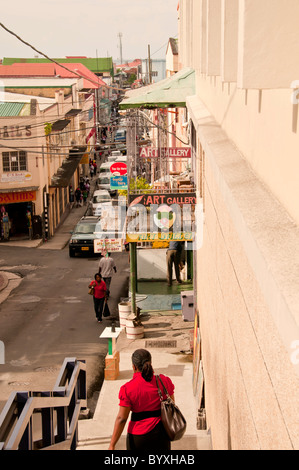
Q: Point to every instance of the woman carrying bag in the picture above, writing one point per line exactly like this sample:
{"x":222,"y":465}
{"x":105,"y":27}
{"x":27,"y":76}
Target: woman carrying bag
{"x":140,"y":395}
{"x":99,"y":292}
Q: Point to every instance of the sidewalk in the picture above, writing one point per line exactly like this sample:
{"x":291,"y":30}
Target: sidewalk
{"x":167,"y":337}
{"x":63,"y":233}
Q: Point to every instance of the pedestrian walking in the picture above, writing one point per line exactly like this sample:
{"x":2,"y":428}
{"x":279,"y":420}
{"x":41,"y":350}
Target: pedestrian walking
{"x":140,"y":395}
{"x":173,"y":257}
{"x":99,"y":295}
{"x":107,"y":268}
{"x":87,"y":186}
{"x":78,"y":196}
{"x":91,"y":170}
{"x":85,"y":195}
{"x":71,"y":195}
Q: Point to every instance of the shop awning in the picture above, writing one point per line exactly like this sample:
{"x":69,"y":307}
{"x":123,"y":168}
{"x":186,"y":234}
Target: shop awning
{"x":19,"y":190}
{"x":169,"y":93}
{"x":60,"y":125}
{"x":73,"y":112}
{"x":65,"y":172}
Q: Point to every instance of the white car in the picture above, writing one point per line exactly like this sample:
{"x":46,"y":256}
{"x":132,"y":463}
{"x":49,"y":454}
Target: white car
{"x":99,"y":199}
{"x":103,"y":182}
{"x":105,"y":168}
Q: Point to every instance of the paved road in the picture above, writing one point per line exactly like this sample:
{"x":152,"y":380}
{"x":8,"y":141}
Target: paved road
{"x":50,"y":316}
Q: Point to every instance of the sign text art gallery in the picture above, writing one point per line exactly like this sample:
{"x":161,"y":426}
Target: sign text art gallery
{"x":144,"y":221}
{"x":165,"y":217}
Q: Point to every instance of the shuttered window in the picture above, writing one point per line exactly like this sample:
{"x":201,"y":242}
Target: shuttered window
{"x":14,"y":161}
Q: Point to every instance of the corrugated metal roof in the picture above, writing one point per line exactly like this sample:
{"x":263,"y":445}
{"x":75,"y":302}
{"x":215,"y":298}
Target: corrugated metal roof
{"x":11,"y":109}
{"x":27,"y":70}
{"x":42,"y":70}
{"x":168,"y":93}
{"x":96,"y":65}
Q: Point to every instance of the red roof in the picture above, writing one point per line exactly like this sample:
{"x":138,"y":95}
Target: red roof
{"x":135,"y":63}
{"x":52,"y":70}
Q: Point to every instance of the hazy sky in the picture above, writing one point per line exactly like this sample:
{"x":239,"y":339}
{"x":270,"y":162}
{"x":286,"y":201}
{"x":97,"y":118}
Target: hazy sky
{"x":62,"y":28}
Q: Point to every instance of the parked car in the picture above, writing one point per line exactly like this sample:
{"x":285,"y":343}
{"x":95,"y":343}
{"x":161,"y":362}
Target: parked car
{"x":116,"y":153}
{"x":105,"y":168}
{"x":122,"y":158}
{"x":103,"y":182}
{"x":83,"y":236}
{"x":121,"y":135}
{"x":100,"y":198}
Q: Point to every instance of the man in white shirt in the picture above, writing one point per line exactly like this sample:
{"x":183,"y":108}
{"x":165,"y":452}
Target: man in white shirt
{"x":106,"y":269}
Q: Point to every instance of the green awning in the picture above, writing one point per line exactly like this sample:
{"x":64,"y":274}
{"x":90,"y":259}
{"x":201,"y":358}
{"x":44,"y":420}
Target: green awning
{"x":169,"y":93}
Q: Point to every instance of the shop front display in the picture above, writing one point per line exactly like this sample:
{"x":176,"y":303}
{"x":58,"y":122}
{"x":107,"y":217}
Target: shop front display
{"x":16,"y":212}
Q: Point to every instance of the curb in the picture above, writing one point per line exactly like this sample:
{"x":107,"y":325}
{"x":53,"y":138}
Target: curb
{"x":4,"y":279}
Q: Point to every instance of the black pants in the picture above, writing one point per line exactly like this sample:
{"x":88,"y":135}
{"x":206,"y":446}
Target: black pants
{"x":98,"y":307}
{"x":107,"y":281}
{"x":173,"y":257}
{"x":156,"y":439}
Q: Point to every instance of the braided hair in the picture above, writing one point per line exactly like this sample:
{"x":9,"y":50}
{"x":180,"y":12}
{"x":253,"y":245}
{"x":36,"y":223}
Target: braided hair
{"x":142,"y":360}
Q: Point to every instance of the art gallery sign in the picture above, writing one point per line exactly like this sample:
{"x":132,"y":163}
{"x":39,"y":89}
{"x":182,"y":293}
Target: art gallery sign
{"x":165,"y":217}
{"x":165,"y":152}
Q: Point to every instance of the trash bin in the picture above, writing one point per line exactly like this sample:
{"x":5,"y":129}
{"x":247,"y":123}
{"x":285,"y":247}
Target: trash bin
{"x":37,"y":229}
{"x":187,"y":305}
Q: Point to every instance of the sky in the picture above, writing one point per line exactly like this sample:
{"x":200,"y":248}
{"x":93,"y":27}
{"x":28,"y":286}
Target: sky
{"x":60,"y":28}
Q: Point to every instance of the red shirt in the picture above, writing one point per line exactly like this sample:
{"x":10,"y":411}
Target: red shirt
{"x":140,"y":395}
{"x":99,"y":289}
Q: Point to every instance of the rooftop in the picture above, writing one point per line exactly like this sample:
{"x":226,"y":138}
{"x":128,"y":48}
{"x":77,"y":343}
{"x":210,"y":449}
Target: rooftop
{"x":42,"y":70}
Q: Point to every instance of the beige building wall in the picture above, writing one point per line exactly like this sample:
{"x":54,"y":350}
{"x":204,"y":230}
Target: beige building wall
{"x":45,"y":154}
{"x":247,"y":279}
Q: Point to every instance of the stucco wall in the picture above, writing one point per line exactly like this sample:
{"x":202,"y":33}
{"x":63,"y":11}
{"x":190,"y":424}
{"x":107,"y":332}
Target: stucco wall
{"x":247,"y":284}
{"x":264,"y":126}
{"x":151,"y":264}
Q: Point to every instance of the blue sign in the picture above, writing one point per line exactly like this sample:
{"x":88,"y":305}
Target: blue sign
{"x":119,"y":182}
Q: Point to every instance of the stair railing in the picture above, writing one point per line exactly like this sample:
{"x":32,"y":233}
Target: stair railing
{"x":46,"y":420}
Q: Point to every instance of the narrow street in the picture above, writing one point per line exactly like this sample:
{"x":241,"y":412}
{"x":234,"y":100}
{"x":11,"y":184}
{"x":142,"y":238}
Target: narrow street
{"x":50,"y":316}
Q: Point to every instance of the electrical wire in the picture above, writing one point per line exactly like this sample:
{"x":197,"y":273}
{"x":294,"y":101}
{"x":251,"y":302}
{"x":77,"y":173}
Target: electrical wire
{"x":80,"y":76}
{"x":57,"y":63}
{"x":165,"y":130}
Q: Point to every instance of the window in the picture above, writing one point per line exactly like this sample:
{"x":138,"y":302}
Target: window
{"x":14,"y":161}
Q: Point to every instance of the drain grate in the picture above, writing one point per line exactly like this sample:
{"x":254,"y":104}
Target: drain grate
{"x":161,"y":344}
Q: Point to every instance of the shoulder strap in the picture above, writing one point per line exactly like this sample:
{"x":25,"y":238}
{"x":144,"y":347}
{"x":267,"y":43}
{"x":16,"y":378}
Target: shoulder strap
{"x":164,"y":388}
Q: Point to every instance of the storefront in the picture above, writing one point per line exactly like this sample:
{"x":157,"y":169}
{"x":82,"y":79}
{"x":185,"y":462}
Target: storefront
{"x":17,"y":209}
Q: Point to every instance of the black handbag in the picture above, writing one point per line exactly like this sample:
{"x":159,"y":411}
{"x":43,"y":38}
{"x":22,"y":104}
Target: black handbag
{"x":172,"y":418}
{"x":106,"y":311}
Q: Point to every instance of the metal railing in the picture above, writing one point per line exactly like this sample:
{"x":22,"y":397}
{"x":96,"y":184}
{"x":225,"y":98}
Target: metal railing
{"x":46,"y":420}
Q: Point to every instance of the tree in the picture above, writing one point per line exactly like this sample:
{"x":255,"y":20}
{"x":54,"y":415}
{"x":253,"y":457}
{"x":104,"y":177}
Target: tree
{"x":139,"y":183}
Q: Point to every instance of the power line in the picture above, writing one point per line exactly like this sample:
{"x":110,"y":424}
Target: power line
{"x":153,"y":53}
{"x":57,"y":63}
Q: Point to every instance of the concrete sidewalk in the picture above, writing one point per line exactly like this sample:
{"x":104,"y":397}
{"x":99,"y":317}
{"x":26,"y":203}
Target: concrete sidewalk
{"x":167,"y":337}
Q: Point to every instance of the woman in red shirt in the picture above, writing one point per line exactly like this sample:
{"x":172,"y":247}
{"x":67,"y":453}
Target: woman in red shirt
{"x":99,"y":296}
{"x":140,"y":395}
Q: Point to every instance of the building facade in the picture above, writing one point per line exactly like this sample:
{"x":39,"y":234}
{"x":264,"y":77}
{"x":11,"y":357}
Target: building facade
{"x":45,"y":145}
{"x":244,"y":135}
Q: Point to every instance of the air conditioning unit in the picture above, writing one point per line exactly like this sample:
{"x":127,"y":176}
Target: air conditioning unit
{"x":187,"y":301}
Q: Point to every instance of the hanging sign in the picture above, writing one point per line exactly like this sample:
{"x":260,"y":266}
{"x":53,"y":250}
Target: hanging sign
{"x":119,"y":182}
{"x":22,"y":196}
{"x":168,"y":152}
{"x":108,"y":245}
{"x":119,"y":168}
{"x":169,"y":199}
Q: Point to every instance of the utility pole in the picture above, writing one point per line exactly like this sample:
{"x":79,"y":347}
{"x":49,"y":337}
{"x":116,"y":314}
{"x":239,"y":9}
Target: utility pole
{"x":149,"y":65}
{"x":120,"y":35}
